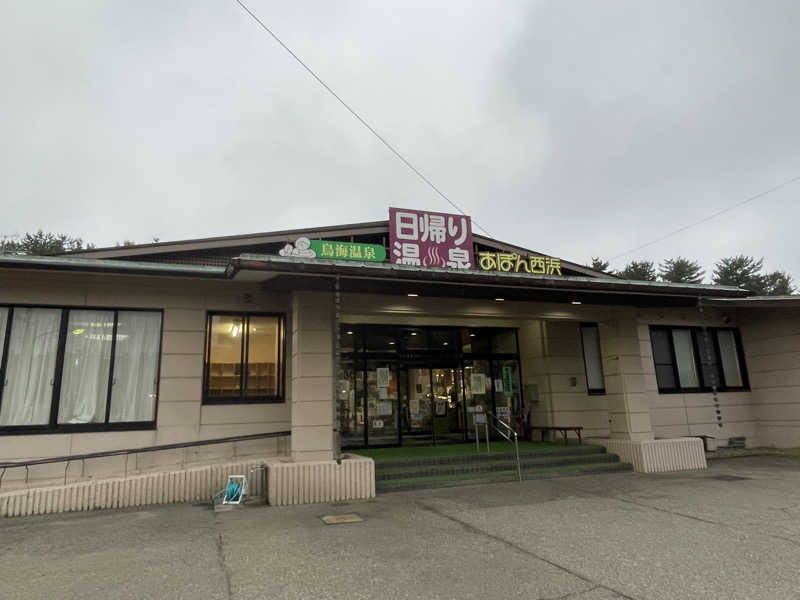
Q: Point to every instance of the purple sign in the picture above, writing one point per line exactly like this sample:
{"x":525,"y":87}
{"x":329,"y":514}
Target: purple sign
{"x":430,"y":239}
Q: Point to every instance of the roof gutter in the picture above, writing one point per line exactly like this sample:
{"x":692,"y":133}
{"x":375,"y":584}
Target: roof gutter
{"x":366,"y":270}
{"x":89,"y":265}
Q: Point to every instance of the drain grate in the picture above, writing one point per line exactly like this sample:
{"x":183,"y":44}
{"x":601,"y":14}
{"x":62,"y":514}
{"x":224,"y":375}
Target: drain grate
{"x":729,"y":477}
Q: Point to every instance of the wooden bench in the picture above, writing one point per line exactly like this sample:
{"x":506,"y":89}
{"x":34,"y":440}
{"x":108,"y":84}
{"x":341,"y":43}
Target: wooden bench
{"x":563,"y":429}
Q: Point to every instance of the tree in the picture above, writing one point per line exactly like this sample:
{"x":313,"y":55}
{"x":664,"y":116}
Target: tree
{"x":740,"y":271}
{"x":598,"y":264}
{"x":642,"y":270}
{"x":681,"y":270}
{"x":42,"y":244}
{"x":777,"y":283}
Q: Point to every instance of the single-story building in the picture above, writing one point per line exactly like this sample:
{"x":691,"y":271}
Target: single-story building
{"x":386,"y":333}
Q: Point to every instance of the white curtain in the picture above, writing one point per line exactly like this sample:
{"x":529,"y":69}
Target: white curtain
{"x":31,"y":365}
{"x":133,"y":395}
{"x":684,"y":355}
{"x":730,"y":358}
{"x":592,"y":358}
{"x":87,"y":353}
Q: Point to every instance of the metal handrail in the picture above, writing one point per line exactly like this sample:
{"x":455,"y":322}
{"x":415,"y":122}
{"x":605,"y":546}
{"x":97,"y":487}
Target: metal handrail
{"x":128,"y":451}
{"x":513,"y":433}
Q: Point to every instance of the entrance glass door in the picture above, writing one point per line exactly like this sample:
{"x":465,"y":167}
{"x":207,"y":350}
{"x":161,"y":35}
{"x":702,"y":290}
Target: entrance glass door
{"x":383,"y":412}
{"x":448,"y":405}
{"x":416,"y":405}
{"x":478,"y":386}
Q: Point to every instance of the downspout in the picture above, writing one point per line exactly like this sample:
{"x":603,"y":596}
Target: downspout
{"x":337,"y":346}
{"x":709,"y":358}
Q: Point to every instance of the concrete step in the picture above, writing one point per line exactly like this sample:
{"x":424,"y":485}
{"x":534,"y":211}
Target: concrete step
{"x":419,"y":483}
{"x":505,"y":463}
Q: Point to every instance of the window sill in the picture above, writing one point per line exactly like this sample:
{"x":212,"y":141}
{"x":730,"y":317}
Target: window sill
{"x":84,"y":428}
{"x":239,"y":400}
{"x":705,"y":391}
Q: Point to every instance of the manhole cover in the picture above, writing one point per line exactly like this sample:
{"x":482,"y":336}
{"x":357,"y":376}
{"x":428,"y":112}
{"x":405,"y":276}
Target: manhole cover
{"x":341,"y":519}
{"x":729,"y":477}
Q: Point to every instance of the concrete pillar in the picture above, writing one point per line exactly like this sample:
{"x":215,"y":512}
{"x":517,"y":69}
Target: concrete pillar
{"x":312,"y":376}
{"x":628,"y":405}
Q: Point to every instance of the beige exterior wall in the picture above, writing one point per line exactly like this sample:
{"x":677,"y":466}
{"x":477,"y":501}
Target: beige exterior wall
{"x":551,"y":361}
{"x":554,"y":377}
{"x":312,"y":376}
{"x":771,"y":339}
{"x":677,"y":415}
{"x":181,"y":415}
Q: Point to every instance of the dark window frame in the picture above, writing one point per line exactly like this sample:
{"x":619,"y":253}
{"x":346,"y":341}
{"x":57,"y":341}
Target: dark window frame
{"x":702,"y":388}
{"x":242,"y":398}
{"x":589,"y":390}
{"x":53,"y":426}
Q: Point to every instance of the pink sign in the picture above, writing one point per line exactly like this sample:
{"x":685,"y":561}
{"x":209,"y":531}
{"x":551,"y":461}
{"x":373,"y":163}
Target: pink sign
{"x":430,"y":239}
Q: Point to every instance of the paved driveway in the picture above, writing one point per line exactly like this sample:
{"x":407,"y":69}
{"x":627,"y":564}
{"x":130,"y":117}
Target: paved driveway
{"x":730,"y":532}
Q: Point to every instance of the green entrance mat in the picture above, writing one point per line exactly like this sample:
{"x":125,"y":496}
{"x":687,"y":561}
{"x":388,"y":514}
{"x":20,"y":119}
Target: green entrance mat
{"x":379,"y":454}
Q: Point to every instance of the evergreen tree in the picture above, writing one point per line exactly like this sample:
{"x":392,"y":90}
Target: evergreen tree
{"x":642,"y":270}
{"x":598,"y":264}
{"x":42,"y":244}
{"x":777,"y":283}
{"x":740,"y":271}
{"x":681,"y":270}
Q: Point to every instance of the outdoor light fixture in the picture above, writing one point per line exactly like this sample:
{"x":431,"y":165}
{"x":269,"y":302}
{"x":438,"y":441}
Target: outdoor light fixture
{"x":412,"y":295}
{"x":499,"y":299}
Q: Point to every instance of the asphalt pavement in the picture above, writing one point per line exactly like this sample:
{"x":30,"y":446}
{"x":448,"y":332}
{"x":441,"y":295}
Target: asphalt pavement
{"x":732,"y":531}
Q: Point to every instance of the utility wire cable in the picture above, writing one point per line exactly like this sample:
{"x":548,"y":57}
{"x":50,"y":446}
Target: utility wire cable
{"x":708,"y":218}
{"x":352,"y":111}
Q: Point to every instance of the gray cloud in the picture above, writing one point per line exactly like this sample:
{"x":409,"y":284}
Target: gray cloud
{"x":575,"y":128}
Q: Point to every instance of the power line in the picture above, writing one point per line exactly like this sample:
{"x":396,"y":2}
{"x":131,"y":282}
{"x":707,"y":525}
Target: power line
{"x":352,"y":111}
{"x":708,"y":218}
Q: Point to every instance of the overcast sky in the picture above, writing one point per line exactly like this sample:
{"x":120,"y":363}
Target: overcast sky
{"x":574,"y":128}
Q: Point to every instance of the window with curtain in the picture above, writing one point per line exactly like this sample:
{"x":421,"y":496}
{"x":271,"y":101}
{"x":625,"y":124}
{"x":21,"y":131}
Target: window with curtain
{"x":30,"y":366}
{"x":244,"y":358}
{"x":691,"y":359}
{"x":685,"y":361}
{"x":78,"y":369}
{"x":592,"y":358}
{"x":134,"y":385}
{"x":87,"y":361}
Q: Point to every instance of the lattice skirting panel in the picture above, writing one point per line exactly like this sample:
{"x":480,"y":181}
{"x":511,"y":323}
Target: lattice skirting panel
{"x":658,"y":456}
{"x":166,"y":487}
{"x":320,"y":481}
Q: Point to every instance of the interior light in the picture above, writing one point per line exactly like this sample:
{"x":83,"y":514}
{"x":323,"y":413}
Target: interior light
{"x":471,"y":335}
{"x":576,"y":301}
{"x":235,"y":331}
{"x":412,"y":295}
{"x":391,"y":343}
{"x":499,"y":299}
{"x":413,"y":333}
{"x":445,"y":344}
{"x":349,"y":333}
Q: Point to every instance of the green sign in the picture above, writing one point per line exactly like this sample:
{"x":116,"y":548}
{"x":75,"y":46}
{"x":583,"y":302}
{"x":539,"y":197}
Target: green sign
{"x":348,"y":251}
{"x":508,"y":382}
